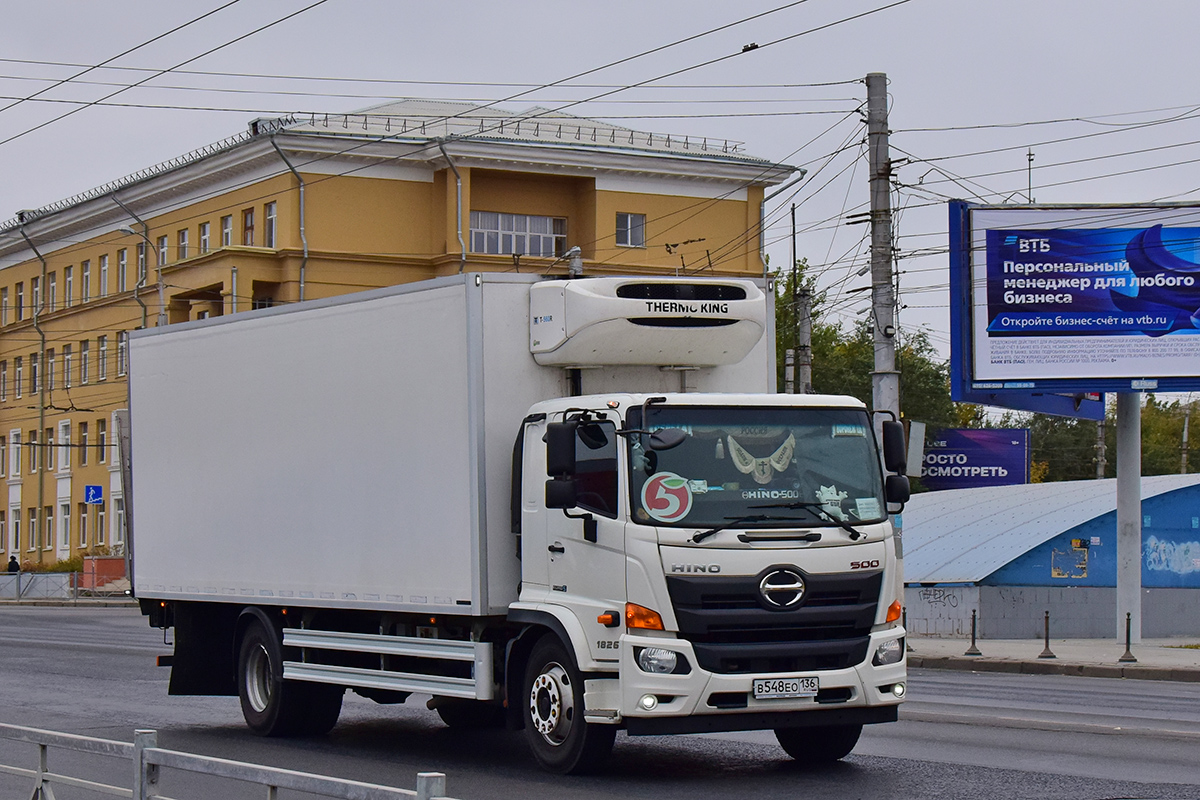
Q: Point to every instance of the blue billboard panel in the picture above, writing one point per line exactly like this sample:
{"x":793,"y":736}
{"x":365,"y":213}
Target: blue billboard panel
{"x":1070,"y":300}
{"x":962,"y":458}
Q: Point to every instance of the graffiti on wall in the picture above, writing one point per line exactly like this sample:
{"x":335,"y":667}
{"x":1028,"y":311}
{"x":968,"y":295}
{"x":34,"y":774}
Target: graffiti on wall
{"x":1182,"y":558}
{"x":939,"y":597}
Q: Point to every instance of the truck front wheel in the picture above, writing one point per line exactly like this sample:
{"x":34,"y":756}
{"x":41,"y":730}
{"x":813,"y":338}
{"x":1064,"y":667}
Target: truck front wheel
{"x":818,"y":745}
{"x":561,"y":740}
{"x":273,"y":706}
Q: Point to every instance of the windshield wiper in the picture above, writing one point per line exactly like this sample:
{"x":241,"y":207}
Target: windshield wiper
{"x":819,"y":508}
{"x":700,"y":537}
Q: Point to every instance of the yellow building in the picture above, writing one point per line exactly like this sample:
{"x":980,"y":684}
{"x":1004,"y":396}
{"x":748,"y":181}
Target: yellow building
{"x":309,"y":207}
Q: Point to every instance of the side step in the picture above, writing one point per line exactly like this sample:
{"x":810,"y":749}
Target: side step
{"x":478,"y":687}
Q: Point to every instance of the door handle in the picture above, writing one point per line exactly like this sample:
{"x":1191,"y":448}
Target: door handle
{"x":557,"y":548}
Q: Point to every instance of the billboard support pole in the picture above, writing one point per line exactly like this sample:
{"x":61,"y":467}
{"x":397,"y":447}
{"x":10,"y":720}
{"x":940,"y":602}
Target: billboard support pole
{"x":1129,"y":513}
{"x":885,"y":380}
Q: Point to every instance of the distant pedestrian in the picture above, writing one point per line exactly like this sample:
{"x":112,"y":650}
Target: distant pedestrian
{"x":13,"y":566}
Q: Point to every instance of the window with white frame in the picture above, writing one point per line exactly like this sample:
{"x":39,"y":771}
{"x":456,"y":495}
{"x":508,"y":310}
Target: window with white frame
{"x":269,"y":226}
{"x":499,"y":233}
{"x":141,"y":262}
{"x":67,"y":364}
{"x":14,"y":529}
{"x":48,"y":528}
{"x":122,"y":351}
{"x":122,"y":266}
{"x":102,"y":276}
{"x":83,"y":444}
{"x":4,"y":306}
{"x":162,"y":250}
{"x":14,"y":454}
{"x":204,"y":237}
{"x":3,"y":456}
{"x":20,"y":301}
{"x":99,"y":522}
{"x":17,"y":375}
{"x":101,"y":440}
{"x":35,"y":295}
{"x":118,"y":536}
{"x":84,"y":357}
{"x":52,"y":291}
{"x":34,"y":451}
{"x":68,"y":286}
{"x":85,"y":281}
{"x":3,"y":531}
{"x":227,"y":231}
{"x":183,"y":243}
{"x":64,"y":446}
{"x":64,"y":523}
{"x":48,"y":449}
{"x":83,"y":524}
{"x":50,"y":363}
{"x":35,"y":376}
{"x":631,"y":230}
{"x":3,"y":381}
{"x":101,"y":358}
{"x":33,"y":530}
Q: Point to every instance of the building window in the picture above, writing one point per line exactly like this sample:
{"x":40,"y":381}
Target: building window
{"x":84,"y":355}
{"x":227,"y":231}
{"x":3,"y":381}
{"x":101,"y":440}
{"x":64,"y":446}
{"x":51,"y":291}
{"x":183,"y":244}
{"x":35,"y":294}
{"x":3,"y":456}
{"x":122,"y":351}
{"x":204,"y":237}
{"x":506,"y":234}
{"x":99,"y":523}
{"x":35,"y":384}
{"x":83,"y":444}
{"x":49,"y":448}
{"x":122,"y":265}
{"x":102,"y":276}
{"x":14,"y":455}
{"x":269,"y":228}
{"x":248,"y":227}
{"x":162,"y":250}
{"x":4,"y":306}
{"x":18,"y":375}
{"x":67,"y":364}
{"x":64,"y":524}
{"x":48,"y":527}
{"x":20,"y":301}
{"x":34,"y":451}
{"x":33,"y":529}
{"x":68,"y":286}
{"x":141,"y":263}
{"x":3,"y":535}
{"x":50,"y":370}
{"x":631,"y":230}
{"x":101,"y":358}
{"x":85,"y":279}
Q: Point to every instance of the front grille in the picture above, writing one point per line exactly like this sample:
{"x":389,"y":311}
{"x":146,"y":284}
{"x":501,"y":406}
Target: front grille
{"x":733,"y":631}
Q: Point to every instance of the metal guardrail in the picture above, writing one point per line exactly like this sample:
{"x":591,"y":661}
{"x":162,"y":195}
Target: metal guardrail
{"x":147,"y":760}
{"x":39,"y":585}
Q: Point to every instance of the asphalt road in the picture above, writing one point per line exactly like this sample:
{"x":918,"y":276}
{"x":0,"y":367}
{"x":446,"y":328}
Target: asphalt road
{"x":962,"y":735}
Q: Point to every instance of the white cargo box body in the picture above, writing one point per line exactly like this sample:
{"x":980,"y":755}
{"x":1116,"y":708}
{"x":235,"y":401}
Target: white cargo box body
{"x":353,"y":452}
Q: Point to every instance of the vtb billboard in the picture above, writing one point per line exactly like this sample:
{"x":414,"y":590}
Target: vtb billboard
{"x":1073,"y":300}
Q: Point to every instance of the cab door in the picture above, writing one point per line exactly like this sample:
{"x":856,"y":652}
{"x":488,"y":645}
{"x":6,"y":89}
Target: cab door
{"x":586,"y":564}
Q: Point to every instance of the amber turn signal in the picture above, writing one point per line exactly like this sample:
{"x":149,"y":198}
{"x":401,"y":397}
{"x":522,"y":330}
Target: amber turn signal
{"x":609,"y":619}
{"x":894,"y":611}
{"x":641,"y":617}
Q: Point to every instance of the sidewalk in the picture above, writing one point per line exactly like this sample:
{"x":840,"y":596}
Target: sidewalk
{"x":1157,"y":659}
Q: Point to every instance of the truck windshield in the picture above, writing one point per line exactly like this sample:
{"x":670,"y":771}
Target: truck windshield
{"x":780,"y":467}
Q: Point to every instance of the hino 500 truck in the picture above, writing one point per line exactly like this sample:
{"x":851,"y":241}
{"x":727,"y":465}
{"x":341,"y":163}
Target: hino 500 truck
{"x":568,"y":506}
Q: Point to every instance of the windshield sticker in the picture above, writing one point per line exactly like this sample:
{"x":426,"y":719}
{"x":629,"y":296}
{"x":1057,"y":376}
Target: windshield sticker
{"x":867,"y":507}
{"x":849,"y":430}
{"x":667,"y":497}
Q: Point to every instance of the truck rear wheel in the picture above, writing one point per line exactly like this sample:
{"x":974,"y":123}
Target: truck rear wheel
{"x":818,"y":745}
{"x":561,"y":740}
{"x":273,"y":706}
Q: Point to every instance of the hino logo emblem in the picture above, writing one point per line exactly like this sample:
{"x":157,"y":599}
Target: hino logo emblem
{"x":713,"y":568}
{"x":782,"y":588}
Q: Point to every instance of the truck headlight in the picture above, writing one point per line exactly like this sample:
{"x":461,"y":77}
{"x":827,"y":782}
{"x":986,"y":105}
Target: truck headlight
{"x":889,"y":652}
{"x":656,"y":660}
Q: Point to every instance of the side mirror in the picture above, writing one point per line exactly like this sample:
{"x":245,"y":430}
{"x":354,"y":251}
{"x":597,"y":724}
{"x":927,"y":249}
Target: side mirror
{"x":896,"y":489}
{"x":895,"y":450}
{"x":560,"y":493}
{"x":560,"y":448}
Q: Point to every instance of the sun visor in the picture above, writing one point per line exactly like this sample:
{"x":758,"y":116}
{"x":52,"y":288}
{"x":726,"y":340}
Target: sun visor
{"x":678,"y":322}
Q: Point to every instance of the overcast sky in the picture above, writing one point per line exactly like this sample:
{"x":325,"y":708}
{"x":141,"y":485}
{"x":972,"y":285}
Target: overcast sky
{"x":1102,"y":91}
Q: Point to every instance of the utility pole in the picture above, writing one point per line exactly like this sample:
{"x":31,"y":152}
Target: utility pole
{"x":885,"y":380}
{"x":802,"y":318}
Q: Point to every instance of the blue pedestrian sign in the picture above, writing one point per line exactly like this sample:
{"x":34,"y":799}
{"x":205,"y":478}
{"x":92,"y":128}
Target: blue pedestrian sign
{"x":93,"y":495}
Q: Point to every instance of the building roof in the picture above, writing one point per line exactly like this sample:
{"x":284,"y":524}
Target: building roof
{"x":964,"y":535}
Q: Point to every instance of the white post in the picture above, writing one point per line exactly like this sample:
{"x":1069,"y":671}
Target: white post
{"x":1129,"y":513}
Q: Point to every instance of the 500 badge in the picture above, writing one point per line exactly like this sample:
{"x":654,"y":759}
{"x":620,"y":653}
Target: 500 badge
{"x":667,"y":497}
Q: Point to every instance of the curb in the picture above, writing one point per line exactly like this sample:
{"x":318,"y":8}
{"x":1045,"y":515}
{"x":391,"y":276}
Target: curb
{"x":114,"y":602}
{"x":1048,"y":667}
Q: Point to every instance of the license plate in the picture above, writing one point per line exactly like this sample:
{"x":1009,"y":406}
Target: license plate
{"x":777,"y":688}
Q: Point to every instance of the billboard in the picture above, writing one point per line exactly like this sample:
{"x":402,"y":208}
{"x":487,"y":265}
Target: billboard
{"x":961,"y":458}
{"x":1072,"y":300}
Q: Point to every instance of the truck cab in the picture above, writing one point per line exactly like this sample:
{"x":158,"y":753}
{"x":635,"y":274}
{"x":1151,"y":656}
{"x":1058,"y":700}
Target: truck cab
{"x":718,"y":562}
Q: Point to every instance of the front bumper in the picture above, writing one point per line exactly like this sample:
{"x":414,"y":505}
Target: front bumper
{"x":701,"y":701}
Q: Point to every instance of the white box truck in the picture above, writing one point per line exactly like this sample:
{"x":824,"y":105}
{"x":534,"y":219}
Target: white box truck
{"x":568,"y":506}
